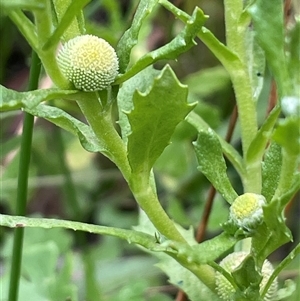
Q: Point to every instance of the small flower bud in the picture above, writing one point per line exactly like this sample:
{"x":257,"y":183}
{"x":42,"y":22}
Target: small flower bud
{"x":88,"y":62}
{"x":224,"y":288}
{"x":246,"y":210}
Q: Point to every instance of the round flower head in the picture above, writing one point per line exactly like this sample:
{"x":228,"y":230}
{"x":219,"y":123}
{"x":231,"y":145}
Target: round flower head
{"x":224,"y":288}
{"x":246,"y":210}
{"x":88,"y":62}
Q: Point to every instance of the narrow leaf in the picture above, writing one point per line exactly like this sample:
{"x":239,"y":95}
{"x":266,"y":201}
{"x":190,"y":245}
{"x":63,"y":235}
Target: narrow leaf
{"x":256,"y":62}
{"x":130,"y":37}
{"x":13,"y":100}
{"x":131,"y":236}
{"x":180,"y":44}
{"x":212,"y":164}
{"x":229,"y":60}
{"x":286,"y":261}
{"x":22,"y":4}
{"x":73,"y":10}
{"x":259,"y":143}
{"x":70,"y":19}
{"x":153,"y":120}
{"x":62,"y":119}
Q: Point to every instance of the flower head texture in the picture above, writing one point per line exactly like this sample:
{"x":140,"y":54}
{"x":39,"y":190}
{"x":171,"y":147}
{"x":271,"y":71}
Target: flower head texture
{"x":246,"y":210}
{"x":232,"y":261}
{"x":88,"y":62}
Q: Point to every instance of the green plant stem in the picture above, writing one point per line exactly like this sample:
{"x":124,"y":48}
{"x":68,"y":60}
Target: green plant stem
{"x":25,"y":26}
{"x":43,"y":23}
{"x":204,"y":273}
{"x":24,"y":162}
{"x":233,"y":60}
{"x":48,"y":57}
{"x":70,"y":14}
{"x":99,"y":118}
{"x":146,"y":197}
{"x":287,"y":260}
{"x":235,"y":37}
{"x":101,"y":122}
{"x":233,"y":12}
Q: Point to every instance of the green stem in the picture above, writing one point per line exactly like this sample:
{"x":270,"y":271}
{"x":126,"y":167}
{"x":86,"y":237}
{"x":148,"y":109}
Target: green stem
{"x":25,"y":26}
{"x":99,"y":117}
{"x":146,"y":197}
{"x":51,"y":67}
{"x":235,"y":37}
{"x":101,"y":122}
{"x":204,"y":273}
{"x":24,"y":162}
{"x":233,"y":60}
{"x":64,"y":9}
{"x":64,"y":23}
{"x":43,"y":23}
{"x":287,"y":260}
{"x":233,"y":12}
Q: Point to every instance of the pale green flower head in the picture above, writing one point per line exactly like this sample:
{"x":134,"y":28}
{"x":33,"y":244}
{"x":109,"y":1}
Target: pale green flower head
{"x":246,"y":211}
{"x":88,"y":62}
{"x":225,"y":289}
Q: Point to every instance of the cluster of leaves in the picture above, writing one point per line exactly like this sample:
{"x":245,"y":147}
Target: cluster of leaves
{"x":151,"y":104}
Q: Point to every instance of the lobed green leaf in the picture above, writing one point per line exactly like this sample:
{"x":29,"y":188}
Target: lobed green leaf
{"x":154,"y":118}
{"x":140,"y":82}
